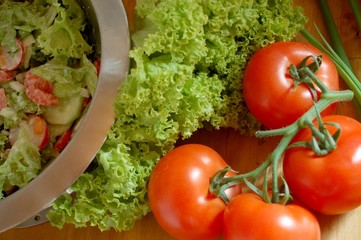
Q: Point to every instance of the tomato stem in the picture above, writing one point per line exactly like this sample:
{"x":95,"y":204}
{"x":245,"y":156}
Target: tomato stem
{"x":220,"y":183}
{"x":304,"y":73}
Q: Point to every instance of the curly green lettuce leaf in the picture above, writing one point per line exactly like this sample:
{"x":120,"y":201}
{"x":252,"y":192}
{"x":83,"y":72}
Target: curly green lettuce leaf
{"x":120,"y":178}
{"x":19,"y":105}
{"x":57,"y":26}
{"x":167,"y":100}
{"x":19,"y":19}
{"x":90,"y":78}
{"x":188,"y":59}
{"x":233,"y":31}
{"x":22,"y":163}
{"x":64,"y":36}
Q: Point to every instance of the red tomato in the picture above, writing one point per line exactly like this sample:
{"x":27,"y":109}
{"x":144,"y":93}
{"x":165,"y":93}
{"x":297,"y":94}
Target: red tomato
{"x":179,"y":194}
{"x":268,"y":88}
{"x":248,"y":217}
{"x":39,"y":90}
{"x":329,"y":184}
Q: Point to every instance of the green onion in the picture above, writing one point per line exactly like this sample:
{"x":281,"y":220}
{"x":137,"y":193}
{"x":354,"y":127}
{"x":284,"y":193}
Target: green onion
{"x":356,"y":9}
{"x":345,"y":72}
{"x":332,"y":31}
{"x":337,"y":52}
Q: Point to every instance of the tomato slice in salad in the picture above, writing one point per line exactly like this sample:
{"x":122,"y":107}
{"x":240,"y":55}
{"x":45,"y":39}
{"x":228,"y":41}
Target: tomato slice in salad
{"x":11,"y":60}
{"x":39,"y":90}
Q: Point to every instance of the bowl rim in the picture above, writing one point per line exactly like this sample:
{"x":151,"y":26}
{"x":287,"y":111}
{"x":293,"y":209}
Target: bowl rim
{"x":113,"y":34}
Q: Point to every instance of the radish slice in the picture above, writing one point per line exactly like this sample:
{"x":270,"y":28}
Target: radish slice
{"x":10,"y":61}
{"x":63,"y":140}
{"x":6,"y":75}
{"x":39,"y":132}
{"x":97,"y":66}
{"x":3,"y":99}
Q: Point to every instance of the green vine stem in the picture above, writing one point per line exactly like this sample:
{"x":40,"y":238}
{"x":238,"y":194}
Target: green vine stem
{"x":220,"y":182}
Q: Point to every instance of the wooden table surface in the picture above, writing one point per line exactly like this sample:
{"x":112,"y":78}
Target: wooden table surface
{"x":231,"y":146}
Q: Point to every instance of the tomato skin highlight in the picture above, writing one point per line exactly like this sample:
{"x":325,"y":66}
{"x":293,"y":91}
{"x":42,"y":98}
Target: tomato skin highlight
{"x":179,"y":194}
{"x":248,"y":217}
{"x":268,"y":88}
{"x":329,"y":184}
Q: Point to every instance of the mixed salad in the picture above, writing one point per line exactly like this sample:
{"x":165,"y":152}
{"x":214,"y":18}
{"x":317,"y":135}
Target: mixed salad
{"x":47,"y":78}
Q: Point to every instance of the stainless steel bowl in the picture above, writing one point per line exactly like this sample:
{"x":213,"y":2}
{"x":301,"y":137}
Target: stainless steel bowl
{"x":112,"y":36}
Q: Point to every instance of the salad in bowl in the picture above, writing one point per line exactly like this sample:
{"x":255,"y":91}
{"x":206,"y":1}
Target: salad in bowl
{"x":48,"y":76}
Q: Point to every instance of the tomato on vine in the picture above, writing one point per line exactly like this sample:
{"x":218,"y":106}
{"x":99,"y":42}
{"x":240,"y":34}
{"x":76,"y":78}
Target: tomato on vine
{"x":330,"y":183}
{"x":179,"y":195}
{"x":269,"y":90}
{"x":248,"y":217}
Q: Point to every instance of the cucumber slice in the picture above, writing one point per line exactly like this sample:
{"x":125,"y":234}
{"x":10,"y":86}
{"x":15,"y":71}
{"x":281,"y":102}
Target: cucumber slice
{"x":66,"y":112}
{"x":58,"y":130}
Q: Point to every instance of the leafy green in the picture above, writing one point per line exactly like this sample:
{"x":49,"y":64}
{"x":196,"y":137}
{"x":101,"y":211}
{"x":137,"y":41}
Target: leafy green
{"x":120,"y":179}
{"x":68,"y":81}
{"x":64,"y":36}
{"x":187,"y":64}
{"x":20,"y":105}
{"x":22,"y":164}
{"x":57,"y":26}
{"x":16,"y":16}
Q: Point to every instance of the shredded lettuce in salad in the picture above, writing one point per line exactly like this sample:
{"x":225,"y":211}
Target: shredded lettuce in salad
{"x":188,"y":57}
{"x":45,"y":65}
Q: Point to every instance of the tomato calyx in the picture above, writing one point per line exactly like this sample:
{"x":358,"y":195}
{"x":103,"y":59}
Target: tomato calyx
{"x":304,"y":73}
{"x":322,"y":143}
{"x":218,"y":187}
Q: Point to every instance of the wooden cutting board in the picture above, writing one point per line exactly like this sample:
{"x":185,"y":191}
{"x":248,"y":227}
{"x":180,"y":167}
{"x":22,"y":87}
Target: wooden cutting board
{"x":231,"y":146}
